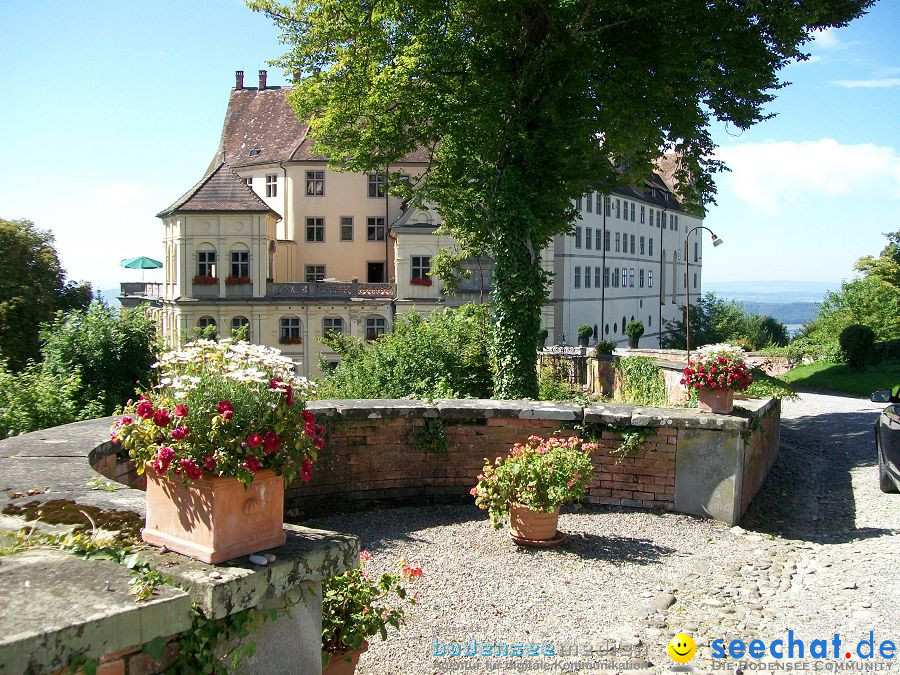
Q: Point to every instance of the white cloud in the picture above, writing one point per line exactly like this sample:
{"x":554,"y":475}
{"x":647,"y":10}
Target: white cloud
{"x":766,"y":174}
{"x":827,"y":39}
{"x":882,"y":83}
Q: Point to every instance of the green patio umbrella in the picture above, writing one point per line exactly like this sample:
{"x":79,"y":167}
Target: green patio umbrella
{"x":141,"y":263}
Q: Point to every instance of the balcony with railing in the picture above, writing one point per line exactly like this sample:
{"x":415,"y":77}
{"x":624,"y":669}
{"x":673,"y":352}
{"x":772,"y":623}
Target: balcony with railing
{"x":329,"y":290}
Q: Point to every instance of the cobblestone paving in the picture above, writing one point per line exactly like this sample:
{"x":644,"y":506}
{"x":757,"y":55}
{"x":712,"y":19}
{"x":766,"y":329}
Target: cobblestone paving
{"x":817,"y":554}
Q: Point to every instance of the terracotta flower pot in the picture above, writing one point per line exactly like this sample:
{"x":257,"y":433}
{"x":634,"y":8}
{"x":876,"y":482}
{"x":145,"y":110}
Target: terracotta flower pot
{"x":716,"y":400}
{"x":535,"y":525}
{"x":344,"y":662}
{"x":215,"y":519}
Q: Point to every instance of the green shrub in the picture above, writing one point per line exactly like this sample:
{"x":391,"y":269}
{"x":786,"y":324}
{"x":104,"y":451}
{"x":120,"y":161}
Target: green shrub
{"x":605,"y":347}
{"x":857,"y":342}
{"x":442,"y":355}
{"x":585,"y":331}
{"x":35,"y":398}
{"x":542,"y":334}
{"x":634,"y":329}
{"x":554,"y":385}
{"x":642,"y":381}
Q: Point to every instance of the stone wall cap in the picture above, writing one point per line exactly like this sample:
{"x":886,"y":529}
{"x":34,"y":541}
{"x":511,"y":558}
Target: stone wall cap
{"x":57,"y":606}
{"x":688,"y":418}
{"x":607,"y":413}
{"x":308,"y":555}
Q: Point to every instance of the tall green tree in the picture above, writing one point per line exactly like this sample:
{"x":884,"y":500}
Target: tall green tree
{"x":714,"y":319}
{"x":32,"y":288}
{"x":523,"y":106}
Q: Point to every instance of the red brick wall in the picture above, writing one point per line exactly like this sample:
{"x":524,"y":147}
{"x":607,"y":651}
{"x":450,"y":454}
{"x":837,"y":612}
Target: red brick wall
{"x":382,"y":459}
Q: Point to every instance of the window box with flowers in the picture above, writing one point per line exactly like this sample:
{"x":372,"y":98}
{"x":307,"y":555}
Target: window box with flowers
{"x":531,"y":483}
{"x":205,"y":280}
{"x":217,"y":438}
{"x":232,"y":280}
{"x":289,"y":340}
{"x":355,"y":608}
{"x":716,"y":372}
{"x":421,"y":281}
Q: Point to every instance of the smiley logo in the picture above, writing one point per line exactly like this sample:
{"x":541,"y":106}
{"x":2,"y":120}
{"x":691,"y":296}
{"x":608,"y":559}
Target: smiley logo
{"x":682,"y":648}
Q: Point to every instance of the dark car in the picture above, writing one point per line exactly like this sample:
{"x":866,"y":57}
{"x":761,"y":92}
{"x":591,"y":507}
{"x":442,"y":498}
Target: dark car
{"x":887,"y":439}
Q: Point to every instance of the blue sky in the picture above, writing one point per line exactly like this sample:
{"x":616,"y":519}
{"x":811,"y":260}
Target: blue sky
{"x":113,"y":109}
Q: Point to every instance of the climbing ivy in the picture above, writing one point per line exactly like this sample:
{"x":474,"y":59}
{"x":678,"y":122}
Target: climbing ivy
{"x":642,"y":381}
{"x":430,"y":437}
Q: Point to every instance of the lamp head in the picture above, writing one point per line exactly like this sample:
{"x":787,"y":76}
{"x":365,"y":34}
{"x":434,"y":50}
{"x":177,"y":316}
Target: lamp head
{"x":717,"y":241}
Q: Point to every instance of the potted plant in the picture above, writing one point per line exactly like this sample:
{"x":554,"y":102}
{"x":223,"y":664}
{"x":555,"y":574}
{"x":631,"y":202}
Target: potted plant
{"x":585,"y":333}
{"x":205,"y":280}
{"x":605,"y":349}
{"x":542,"y":337}
{"x":531,"y":483}
{"x":716,"y":372}
{"x":218,"y":437}
{"x":634,"y":330}
{"x":355,"y":608}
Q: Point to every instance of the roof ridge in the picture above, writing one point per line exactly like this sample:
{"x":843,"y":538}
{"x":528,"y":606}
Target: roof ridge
{"x":231,"y":195}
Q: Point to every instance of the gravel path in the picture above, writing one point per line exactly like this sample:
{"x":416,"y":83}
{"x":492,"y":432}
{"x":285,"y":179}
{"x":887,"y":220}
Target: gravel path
{"x":815,"y":554}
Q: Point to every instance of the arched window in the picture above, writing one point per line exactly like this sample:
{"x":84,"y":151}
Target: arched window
{"x":615,"y":328}
{"x":206,"y":322}
{"x":375,"y":327}
{"x":596,"y":332}
{"x":332,"y":324}
{"x":606,"y":329}
{"x":239,"y":267}
{"x":290,"y":331}
{"x":206,"y":261}
{"x":623,"y":325}
{"x":240,"y":327}
{"x":649,"y":321}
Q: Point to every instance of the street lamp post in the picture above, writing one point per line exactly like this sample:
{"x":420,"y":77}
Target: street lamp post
{"x":716,"y":241}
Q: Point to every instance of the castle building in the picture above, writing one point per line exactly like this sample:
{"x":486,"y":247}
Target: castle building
{"x":273,"y":241}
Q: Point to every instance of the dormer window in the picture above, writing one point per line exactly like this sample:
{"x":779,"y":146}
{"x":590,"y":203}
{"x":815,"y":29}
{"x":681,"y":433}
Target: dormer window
{"x":255,"y":152}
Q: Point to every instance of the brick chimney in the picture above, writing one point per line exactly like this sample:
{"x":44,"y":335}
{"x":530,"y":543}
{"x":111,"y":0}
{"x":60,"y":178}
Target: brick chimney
{"x":262,"y":80}
{"x":239,"y":79}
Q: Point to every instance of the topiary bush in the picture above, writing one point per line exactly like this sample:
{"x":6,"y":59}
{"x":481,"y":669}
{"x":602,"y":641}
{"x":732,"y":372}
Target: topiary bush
{"x":585,"y":331}
{"x":857,"y":343}
{"x":605,"y":347}
{"x":634,"y":329}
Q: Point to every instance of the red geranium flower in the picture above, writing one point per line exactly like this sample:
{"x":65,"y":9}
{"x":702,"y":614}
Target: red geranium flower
{"x":145,"y":409}
{"x":251,"y":463}
{"x":161,"y":418}
{"x":181,"y":410}
{"x":254,"y":440}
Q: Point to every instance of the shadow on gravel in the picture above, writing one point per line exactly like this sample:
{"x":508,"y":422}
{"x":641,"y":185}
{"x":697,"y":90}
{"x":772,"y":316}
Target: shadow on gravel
{"x":615,"y":550}
{"x":808,"y":495}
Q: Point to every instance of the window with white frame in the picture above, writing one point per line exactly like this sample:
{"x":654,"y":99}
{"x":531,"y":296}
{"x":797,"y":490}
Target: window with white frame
{"x":271,"y":185}
{"x":578,"y":204}
{"x":598,"y":239}
{"x":315,"y":230}
{"x":240,"y":326}
{"x":421,"y":266}
{"x":289,"y":329}
{"x":650,"y":278}
{"x":332,"y":324}
{"x":624,"y":276}
{"x":642,"y":246}
{"x":588,"y":238}
{"x":632,"y":244}
{"x":641,"y":278}
{"x":589,"y":201}
{"x":632,"y":212}
{"x":615,"y":279}
{"x":618,"y":242}
{"x":696,"y":251}
{"x":671,"y":222}
{"x":618,"y":208}
{"x":650,"y":221}
{"x":577,"y":277}
{"x":624,"y":209}
{"x":315,"y":273}
{"x":587,"y":277}
{"x":248,"y":181}
{"x":375,"y":327}
{"x":631,"y":276}
{"x":676,"y":223}
{"x":578,"y":237}
{"x":659,"y":215}
{"x":315,"y":183}
{"x":695,"y":280}
{"x":608,"y":203}
{"x":650,"y":247}
{"x":240,"y":264}
{"x":206,"y":263}
{"x":598,"y":276}
{"x":377,"y":185}
{"x":375,"y":229}
{"x":346,"y":228}
{"x":605,"y":277}
{"x":206,"y":322}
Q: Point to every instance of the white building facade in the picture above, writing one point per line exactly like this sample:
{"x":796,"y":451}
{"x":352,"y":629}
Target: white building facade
{"x":274,"y":242}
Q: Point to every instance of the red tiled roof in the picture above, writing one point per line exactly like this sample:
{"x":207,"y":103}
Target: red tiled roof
{"x":219,"y":190}
{"x":261,"y":127}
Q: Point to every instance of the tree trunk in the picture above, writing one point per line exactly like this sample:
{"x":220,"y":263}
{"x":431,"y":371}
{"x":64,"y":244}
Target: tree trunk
{"x":518,"y":294}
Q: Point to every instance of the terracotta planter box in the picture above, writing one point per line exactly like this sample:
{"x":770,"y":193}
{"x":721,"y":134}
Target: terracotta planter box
{"x":344,"y":663}
{"x":535,"y":525}
{"x":716,"y":400}
{"x":215,"y":519}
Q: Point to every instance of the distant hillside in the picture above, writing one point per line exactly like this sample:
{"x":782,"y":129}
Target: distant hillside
{"x":780,"y":292}
{"x":790,"y":313}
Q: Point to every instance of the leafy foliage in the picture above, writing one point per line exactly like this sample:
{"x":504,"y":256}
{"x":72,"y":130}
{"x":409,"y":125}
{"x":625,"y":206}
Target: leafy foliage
{"x":857,"y":344}
{"x":113,"y":350}
{"x":553,"y":384}
{"x":715,"y":320}
{"x":634,"y":329}
{"x":32,"y":288}
{"x":445,"y":354}
{"x":354,"y":606}
{"x":642,"y":381}
{"x":522,"y":111}
{"x":585,"y":331}
{"x":539,"y":474}
{"x":605,"y":347}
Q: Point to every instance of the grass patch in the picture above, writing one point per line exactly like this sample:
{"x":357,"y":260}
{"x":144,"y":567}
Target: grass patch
{"x":824,"y":375}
